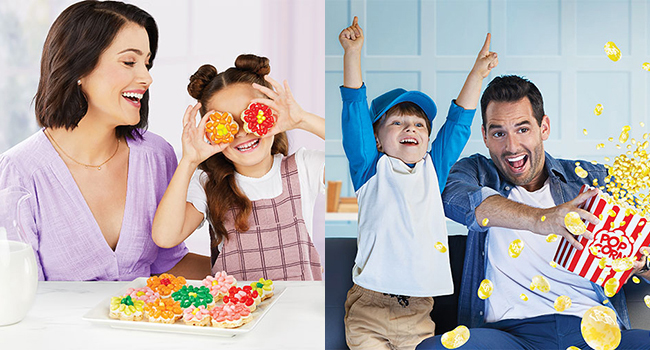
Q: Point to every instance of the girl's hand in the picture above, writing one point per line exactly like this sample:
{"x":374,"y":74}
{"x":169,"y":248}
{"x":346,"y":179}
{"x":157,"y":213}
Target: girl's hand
{"x":486,"y":60}
{"x":288,"y":112}
{"x":351,"y":38}
{"x":195,"y":147}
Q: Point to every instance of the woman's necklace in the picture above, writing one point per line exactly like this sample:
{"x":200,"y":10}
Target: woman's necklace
{"x":99,"y":167}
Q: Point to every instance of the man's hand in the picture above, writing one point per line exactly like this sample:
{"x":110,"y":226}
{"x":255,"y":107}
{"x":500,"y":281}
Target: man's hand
{"x":554,"y":223}
{"x":638,"y":265}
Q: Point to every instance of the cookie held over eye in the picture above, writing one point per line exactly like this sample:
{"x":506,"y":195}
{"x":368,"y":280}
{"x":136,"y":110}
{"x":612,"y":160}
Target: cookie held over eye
{"x":258,"y":119}
{"x":221,"y":127}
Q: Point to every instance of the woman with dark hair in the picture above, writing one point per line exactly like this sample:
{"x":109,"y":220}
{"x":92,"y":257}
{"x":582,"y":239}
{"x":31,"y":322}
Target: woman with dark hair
{"x":94,"y":173}
{"x":259,"y":201}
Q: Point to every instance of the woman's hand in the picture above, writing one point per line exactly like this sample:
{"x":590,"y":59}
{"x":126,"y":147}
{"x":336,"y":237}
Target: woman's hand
{"x":195,"y":147}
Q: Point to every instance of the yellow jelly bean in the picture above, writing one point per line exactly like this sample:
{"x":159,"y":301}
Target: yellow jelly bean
{"x":646,"y":299}
{"x":622,"y":264}
{"x":562,"y":303}
{"x":455,"y":338}
{"x":523,"y":297}
{"x":541,"y":283}
{"x":485,"y":222}
{"x":623,"y":138}
{"x":485,"y":289}
{"x":574,"y":224}
{"x":584,"y":131}
{"x":573,"y":348}
{"x":551,"y":238}
{"x":598,"y":110}
{"x":611,"y":287}
{"x":582,"y":173}
{"x":599,"y":328}
{"x":602,"y":263}
{"x":646,"y":66}
{"x":612,"y":51}
{"x":441,"y":247}
{"x":515,"y":248}
{"x":553,"y":264}
{"x":636,"y":280}
{"x":543,"y":218}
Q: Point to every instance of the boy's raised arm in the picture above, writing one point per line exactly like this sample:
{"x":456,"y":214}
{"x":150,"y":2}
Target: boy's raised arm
{"x":351,"y":39}
{"x":486,"y":60}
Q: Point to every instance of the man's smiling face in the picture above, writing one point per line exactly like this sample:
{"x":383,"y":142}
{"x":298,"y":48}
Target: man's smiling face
{"x":515,"y":141}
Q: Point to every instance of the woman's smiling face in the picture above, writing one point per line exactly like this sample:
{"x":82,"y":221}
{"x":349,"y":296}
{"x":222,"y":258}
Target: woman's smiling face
{"x":120,"y":79}
{"x":250,"y":153}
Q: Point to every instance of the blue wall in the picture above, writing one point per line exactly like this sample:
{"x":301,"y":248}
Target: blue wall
{"x":431,"y":45}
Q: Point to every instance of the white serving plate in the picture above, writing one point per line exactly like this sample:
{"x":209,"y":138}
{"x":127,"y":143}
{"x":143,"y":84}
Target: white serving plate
{"x":99,"y":315}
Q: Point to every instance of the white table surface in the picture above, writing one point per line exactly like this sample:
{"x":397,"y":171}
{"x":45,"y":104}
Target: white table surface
{"x":296,"y":321}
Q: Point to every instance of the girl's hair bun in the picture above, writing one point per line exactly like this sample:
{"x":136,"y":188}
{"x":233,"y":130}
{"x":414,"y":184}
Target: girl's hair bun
{"x":201,"y":79}
{"x":256,"y":64}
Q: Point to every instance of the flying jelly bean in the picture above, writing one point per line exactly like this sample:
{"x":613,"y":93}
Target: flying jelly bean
{"x":611,"y":287}
{"x":455,"y":338}
{"x":612,"y":51}
{"x":562,"y":303}
{"x":441,"y":247}
{"x":646,"y":66}
{"x":646,"y":299}
{"x":598,"y":110}
{"x":523,"y":297}
{"x":485,"y":289}
{"x":551,"y":238}
{"x":541,"y":283}
{"x":599,"y":328}
{"x":515,"y":248}
{"x":622,"y":264}
{"x":574,"y":224}
{"x":636,"y":280}
{"x":581,"y":172}
{"x":485,"y":222}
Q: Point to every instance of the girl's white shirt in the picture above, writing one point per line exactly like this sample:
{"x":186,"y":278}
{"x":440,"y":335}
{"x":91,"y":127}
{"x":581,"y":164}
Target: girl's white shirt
{"x":311,"y":165}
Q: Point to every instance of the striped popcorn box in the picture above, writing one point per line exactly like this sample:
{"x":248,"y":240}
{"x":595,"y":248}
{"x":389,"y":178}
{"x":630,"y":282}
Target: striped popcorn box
{"x":617,"y":240}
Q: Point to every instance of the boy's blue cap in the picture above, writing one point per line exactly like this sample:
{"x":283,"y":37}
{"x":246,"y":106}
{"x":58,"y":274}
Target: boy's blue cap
{"x":383,"y":103}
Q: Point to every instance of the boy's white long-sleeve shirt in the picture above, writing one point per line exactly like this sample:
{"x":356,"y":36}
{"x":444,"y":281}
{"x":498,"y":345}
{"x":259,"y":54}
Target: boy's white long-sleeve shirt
{"x":401,"y":219}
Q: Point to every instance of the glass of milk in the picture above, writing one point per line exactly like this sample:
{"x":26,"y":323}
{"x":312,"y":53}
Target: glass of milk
{"x":18,"y":271}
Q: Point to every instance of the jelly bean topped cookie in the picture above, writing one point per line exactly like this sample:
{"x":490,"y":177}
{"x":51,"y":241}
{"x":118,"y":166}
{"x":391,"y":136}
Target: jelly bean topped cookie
{"x":163,"y":310}
{"x":196,"y":316}
{"x":126,"y":308}
{"x":145,"y":294}
{"x":219,"y":284}
{"x":238,"y":295}
{"x":230,"y":315}
{"x":165,"y":284}
{"x":221,"y":127}
{"x":258,"y":118}
{"x":264,"y":288}
{"x":191,"y":295}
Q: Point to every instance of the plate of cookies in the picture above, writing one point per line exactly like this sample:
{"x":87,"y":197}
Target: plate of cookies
{"x":218,"y":305}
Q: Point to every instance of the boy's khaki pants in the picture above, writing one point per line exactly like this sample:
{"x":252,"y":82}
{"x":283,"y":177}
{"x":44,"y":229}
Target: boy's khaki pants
{"x":377,"y":321}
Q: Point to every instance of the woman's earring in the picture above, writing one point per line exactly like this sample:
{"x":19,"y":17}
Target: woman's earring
{"x":79,"y":82}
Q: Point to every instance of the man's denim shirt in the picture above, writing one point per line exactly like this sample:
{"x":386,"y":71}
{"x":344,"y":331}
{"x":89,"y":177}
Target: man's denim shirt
{"x":473,"y":179}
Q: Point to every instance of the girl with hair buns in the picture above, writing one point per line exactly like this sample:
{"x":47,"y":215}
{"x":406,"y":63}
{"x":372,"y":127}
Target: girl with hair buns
{"x":259,"y":201}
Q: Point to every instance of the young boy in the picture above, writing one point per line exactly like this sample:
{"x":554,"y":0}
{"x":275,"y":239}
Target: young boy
{"x":402,"y":259}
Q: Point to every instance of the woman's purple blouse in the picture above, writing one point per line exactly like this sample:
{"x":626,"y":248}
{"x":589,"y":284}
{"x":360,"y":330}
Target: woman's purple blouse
{"x":60,"y":227}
